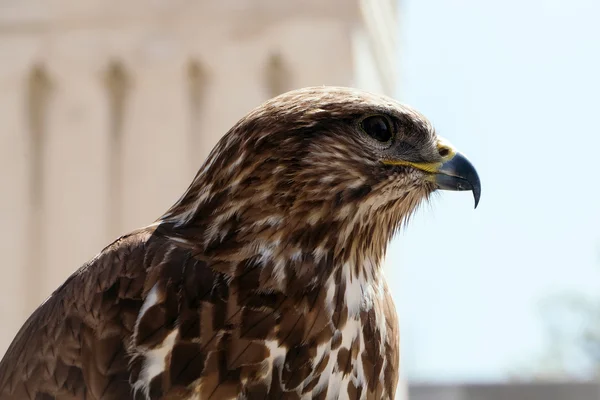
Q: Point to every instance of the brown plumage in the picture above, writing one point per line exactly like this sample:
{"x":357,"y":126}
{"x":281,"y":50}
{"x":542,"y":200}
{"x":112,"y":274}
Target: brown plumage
{"x":264,"y":280}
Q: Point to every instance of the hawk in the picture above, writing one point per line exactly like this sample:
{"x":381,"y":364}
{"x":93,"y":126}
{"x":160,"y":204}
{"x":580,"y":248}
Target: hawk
{"x":264,"y":280}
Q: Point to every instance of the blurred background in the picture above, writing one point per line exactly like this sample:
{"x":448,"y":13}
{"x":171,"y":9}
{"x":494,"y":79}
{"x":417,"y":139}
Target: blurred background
{"x":108,"y":108}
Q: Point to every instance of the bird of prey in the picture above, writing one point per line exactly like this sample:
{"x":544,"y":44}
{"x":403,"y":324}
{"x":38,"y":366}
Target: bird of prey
{"x":264,"y":280}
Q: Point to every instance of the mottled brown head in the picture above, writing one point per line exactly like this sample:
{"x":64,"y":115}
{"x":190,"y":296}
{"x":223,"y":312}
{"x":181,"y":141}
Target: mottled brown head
{"x":320,"y":170}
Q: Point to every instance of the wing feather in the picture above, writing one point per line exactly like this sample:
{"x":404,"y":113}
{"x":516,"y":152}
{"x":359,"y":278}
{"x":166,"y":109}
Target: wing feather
{"x":74,"y":345}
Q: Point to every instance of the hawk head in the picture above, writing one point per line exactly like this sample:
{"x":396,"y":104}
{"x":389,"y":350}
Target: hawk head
{"x":319,"y":170}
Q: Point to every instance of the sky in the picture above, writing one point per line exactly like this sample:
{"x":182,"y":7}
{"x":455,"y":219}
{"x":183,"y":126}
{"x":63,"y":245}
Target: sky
{"x":515,"y":86}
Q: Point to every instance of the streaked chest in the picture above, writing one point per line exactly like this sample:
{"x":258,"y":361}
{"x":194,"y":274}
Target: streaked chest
{"x":335,"y":347}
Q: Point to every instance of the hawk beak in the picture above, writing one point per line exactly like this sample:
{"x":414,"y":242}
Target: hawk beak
{"x":454,"y":172}
{"x":458,"y":173}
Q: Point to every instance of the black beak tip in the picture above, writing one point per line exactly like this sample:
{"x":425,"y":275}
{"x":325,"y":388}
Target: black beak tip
{"x":476,"y":194}
{"x":475,"y":184}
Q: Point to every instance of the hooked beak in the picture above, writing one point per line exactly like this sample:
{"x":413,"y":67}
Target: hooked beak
{"x":454,"y":172}
{"x":458,"y":174}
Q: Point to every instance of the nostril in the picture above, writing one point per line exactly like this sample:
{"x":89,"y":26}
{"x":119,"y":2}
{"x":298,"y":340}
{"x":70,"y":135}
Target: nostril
{"x":444,"y":151}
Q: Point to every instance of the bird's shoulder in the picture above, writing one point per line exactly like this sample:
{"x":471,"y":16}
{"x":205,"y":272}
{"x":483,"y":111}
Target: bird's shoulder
{"x":87,"y":320}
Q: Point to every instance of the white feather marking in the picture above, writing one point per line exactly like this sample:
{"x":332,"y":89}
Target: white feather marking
{"x":359,"y":290}
{"x":277,"y":352}
{"x":330,"y":293}
{"x":319,"y":252}
{"x":151,"y":299}
{"x":269,"y":220}
{"x":331,"y":378}
{"x":358,"y":373}
{"x":179,"y":240}
{"x":343,"y":390}
{"x":333,"y":389}
{"x":296,"y":255}
{"x":320,"y":353}
{"x":203,"y":195}
{"x":154,"y":363}
{"x":266,"y":252}
{"x":154,"y":360}
{"x":276,"y":358}
{"x":354,"y":293}
{"x":326,"y":375}
{"x":350,"y":331}
{"x":236,"y":162}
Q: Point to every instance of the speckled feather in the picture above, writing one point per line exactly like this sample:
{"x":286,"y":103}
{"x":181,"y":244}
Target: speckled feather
{"x":262,"y":282}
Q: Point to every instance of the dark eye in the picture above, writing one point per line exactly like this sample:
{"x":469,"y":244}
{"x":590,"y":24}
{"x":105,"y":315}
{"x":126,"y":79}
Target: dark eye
{"x":378,"y":127}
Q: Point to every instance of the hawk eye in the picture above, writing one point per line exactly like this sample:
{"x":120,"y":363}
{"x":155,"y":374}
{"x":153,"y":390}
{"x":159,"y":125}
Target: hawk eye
{"x":378,"y":127}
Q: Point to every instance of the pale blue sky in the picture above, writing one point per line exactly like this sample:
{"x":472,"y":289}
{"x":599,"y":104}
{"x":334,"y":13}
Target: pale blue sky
{"x":515,"y":85}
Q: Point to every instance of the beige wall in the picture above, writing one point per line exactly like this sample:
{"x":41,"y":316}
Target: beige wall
{"x":108,"y":108}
